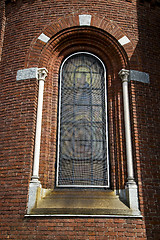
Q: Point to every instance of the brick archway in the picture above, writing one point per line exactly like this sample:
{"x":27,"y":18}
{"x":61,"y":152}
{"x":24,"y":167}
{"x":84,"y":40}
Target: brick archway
{"x":56,"y":30}
{"x":64,"y":38}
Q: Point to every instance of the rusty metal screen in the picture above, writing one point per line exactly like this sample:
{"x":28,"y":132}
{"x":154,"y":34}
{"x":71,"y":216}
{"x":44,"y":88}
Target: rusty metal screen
{"x":82,"y":132}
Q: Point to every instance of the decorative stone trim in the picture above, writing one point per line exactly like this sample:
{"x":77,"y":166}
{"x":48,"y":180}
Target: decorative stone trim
{"x":131,"y":190}
{"x":71,"y":21}
{"x":28,"y":73}
{"x":124,"y":75}
{"x":42,"y":74}
{"x":139,"y":76}
{"x":35,"y":186}
{"x":124,"y":40}
{"x":85,"y":20}
{"x":44,"y":38}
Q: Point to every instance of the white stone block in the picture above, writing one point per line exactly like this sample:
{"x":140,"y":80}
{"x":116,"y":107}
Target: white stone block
{"x":28,"y":73}
{"x":132,"y":198}
{"x":44,"y":38}
{"x":85,"y":20}
{"x":124,"y":40}
{"x":32,"y":198}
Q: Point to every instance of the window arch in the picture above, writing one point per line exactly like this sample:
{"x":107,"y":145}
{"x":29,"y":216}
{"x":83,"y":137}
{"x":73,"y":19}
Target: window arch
{"x":43,"y":200}
{"x":82,"y":149}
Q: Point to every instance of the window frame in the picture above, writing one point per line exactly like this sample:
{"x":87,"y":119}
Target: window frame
{"x":106,"y":123}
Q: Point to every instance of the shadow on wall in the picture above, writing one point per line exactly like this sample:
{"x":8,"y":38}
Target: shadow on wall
{"x":147,"y":106}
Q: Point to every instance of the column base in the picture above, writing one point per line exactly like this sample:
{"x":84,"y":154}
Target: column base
{"x":129,"y":196}
{"x":132,"y":197}
{"x":34,"y":191}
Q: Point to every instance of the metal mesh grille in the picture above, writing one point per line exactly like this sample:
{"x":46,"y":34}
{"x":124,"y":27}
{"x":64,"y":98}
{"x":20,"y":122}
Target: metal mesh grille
{"x":82,"y":156}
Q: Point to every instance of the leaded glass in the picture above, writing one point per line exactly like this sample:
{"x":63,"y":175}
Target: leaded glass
{"x":82,"y":135}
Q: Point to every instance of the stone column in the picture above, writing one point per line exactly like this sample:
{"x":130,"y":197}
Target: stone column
{"x":124,"y":74}
{"x":131,"y":186}
{"x":35,"y":186}
{"x":42,"y":73}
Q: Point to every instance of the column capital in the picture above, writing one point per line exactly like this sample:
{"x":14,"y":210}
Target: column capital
{"x":42,"y":74}
{"x":124,"y":75}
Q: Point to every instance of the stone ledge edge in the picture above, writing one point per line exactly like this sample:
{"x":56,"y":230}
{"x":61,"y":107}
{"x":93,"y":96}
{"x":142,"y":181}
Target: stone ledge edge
{"x":88,"y":216}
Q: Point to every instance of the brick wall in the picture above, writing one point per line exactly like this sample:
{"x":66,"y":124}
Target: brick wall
{"x":25,"y":21}
{"x":2,"y":25}
{"x":148,"y":120}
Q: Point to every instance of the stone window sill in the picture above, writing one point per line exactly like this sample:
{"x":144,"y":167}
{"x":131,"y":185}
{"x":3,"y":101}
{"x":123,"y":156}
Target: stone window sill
{"x":83,"y":203}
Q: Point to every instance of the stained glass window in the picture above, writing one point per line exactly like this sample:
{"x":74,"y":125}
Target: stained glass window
{"x":82,"y":153}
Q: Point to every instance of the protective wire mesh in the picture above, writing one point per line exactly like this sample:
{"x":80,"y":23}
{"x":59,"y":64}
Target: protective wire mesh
{"x":82,"y":157}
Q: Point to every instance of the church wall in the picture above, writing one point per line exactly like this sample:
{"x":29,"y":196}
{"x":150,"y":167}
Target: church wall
{"x":24,"y":21}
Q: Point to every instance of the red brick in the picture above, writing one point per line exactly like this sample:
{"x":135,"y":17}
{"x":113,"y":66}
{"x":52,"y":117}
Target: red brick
{"x":21,"y":22}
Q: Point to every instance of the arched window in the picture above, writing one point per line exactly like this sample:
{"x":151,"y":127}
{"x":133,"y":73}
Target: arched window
{"x":82,"y":149}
